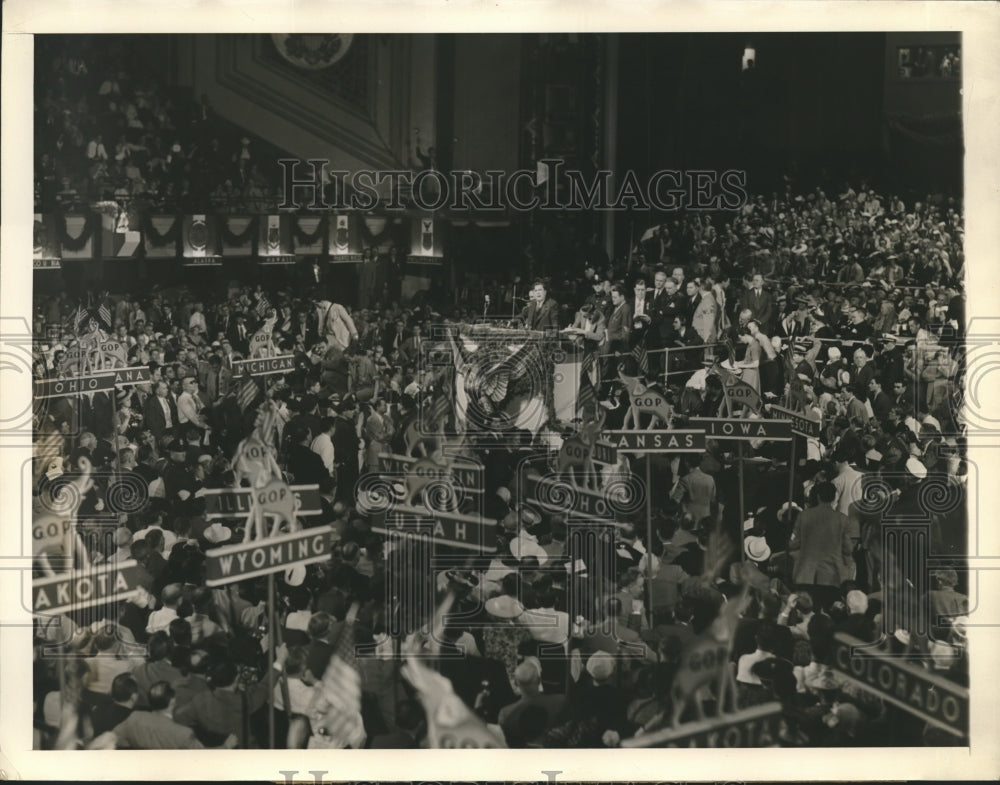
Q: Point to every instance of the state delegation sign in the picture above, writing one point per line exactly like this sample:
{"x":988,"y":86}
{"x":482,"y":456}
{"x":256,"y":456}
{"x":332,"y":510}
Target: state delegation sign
{"x":234,"y":503}
{"x":757,"y":726}
{"x":914,"y":689}
{"x":232,"y":563}
{"x":84,"y":588}
{"x":747,"y":430}
{"x":657,"y":441}
{"x":469,"y":532}
{"x":264,"y":366}
{"x":56,"y":388}
{"x":801,"y":424}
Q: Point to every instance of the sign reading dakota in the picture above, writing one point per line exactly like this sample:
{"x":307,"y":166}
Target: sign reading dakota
{"x":757,"y":726}
{"x":235,"y":502}
{"x":737,"y":429}
{"x":657,"y":441}
{"x":470,"y":532}
{"x":84,"y":587}
{"x":232,"y":563}
{"x":263,"y":366}
{"x":914,"y":689}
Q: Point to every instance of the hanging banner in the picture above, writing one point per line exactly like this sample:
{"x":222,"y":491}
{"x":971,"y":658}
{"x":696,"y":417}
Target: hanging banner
{"x":77,"y":236}
{"x":237,"y":234}
{"x":274,"y":245}
{"x":426,"y":246}
{"x":117,"y":240}
{"x":345,"y":238}
{"x":46,"y":247}
{"x":309,"y":234}
{"x":198,"y":236}
{"x":160,"y":236}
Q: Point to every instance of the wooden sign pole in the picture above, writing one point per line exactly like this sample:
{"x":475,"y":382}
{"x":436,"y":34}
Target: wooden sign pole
{"x":742,"y":510}
{"x":271,"y":631}
{"x":649,"y":543}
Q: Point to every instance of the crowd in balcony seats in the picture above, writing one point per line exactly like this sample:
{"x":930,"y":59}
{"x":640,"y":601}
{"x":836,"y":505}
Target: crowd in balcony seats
{"x":107,"y":128}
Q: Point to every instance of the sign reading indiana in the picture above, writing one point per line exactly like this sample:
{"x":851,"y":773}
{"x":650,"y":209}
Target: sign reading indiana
{"x":263,"y":366}
{"x":232,"y":563}
{"x":930,"y":697}
{"x":234,"y":503}
{"x":83,"y":588}
{"x":757,"y":726}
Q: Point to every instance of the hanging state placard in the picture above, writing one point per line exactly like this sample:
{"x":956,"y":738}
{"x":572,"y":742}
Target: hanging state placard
{"x":45,"y":255}
{"x":345,"y":238}
{"x":426,"y":241}
{"x":274,"y":246}
{"x":198,"y":241}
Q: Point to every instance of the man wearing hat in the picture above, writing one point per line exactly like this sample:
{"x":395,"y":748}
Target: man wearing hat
{"x":822,"y":546}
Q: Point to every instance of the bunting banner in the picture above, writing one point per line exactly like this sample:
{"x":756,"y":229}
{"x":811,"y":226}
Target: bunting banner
{"x":274,"y":244}
{"x":198,"y":241}
{"x":46,"y":247}
{"x":309,"y":234}
{"x":237,"y":234}
{"x":76,"y":239}
{"x":160,"y":236}
{"x":117,"y":240}
{"x":345,"y":238}
{"x":426,"y":245}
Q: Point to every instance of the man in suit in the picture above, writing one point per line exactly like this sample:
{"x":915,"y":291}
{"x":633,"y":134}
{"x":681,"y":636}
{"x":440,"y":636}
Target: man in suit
{"x":822,"y":545}
{"x":589,"y":327}
{"x":305,"y":465}
{"x":239,"y":334}
{"x":665,"y":305}
{"x":760,"y":303}
{"x":881,"y":403}
{"x":696,"y":491}
{"x":617,"y":333}
{"x":160,"y":412}
{"x":541,"y":313}
{"x":346,"y":448}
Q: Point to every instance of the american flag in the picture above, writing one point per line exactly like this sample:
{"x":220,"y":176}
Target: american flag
{"x":641,"y":358}
{"x":49,"y":445}
{"x":262,"y":307}
{"x":336,"y":708}
{"x":77,"y":320}
{"x":249,"y":392}
{"x":587,"y":398}
{"x":104,"y":314}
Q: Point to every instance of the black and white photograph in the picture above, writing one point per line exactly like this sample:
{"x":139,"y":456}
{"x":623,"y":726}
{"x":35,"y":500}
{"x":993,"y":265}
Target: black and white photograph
{"x":524,"y":390}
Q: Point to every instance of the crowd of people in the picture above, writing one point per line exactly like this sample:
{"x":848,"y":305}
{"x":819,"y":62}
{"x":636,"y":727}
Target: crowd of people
{"x":107,"y":129}
{"x":847,"y":310}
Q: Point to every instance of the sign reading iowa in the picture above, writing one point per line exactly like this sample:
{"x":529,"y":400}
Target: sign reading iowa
{"x":737,"y":429}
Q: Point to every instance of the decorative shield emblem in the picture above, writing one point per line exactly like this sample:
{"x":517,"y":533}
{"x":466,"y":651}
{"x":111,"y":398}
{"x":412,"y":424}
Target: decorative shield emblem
{"x":198,"y":234}
{"x":342,"y":233}
{"x":427,"y":234}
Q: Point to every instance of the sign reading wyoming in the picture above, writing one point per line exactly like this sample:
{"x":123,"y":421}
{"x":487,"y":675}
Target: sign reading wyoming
{"x":232,"y":563}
